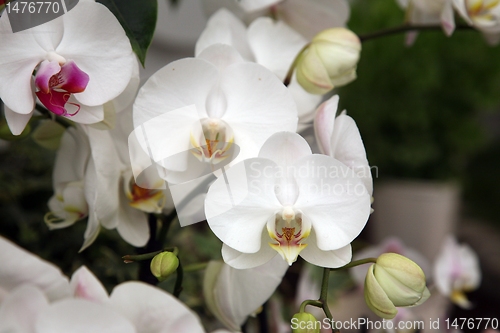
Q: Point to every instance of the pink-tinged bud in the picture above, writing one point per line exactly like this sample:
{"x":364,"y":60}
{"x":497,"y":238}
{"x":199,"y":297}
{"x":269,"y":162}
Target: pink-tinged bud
{"x":329,"y":61}
{"x":164,"y":264}
{"x":394,"y":281}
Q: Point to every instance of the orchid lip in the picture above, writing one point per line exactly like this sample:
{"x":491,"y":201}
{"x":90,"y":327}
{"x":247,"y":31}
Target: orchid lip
{"x":288,"y":229}
{"x":214,"y":143}
{"x":56,"y":83}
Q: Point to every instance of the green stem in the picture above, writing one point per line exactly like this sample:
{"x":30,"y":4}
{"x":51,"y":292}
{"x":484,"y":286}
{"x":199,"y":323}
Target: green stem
{"x":310,"y":302}
{"x":178,"y":281}
{"x":406,"y":28}
{"x":195,"y":267}
{"x":289,"y":74}
{"x":129,"y":258}
{"x":356,"y":263}
{"x":323,"y":298}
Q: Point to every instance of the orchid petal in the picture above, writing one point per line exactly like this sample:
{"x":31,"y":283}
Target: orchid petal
{"x":313,"y":16}
{"x":171,"y":89}
{"x":20,"y":54}
{"x":239,"y":204}
{"x":17,"y":121}
{"x":254,"y":5}
{"x":221,"y":56}
{"x":274,"y":44}
{"x":285,"y":148}
{"x":102,"y":178}
{"x":44,"y":73}
{"x":238,"y":293}
{"x":347,"y":146}
{"x":331,"y":259}
{"x":82,"y":113}
{"x":448,"y":18}
{"x":133,"y":226}
{"x":324,"y":121}
{"x":224,"y":27}
{"x":20,"y":309}
{"x":306,"y":102}
{"x":81,"y":316}
{"x":152,"y":310}
{"x":108,"y":59}
{"x":20,"y":267}
{"x":72,"y":157}
{"x":333,"y":199}
{"x":250,"y":118}
{"x":84,"y":284}
{"x":240,"y":260}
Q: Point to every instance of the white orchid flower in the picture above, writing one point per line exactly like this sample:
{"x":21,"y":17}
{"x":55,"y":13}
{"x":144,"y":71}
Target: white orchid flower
{"x":148,"y":308}
{"x":339,"y":137}
{"x":39,"y":299}
{"x":429,"y":12}
{"x":89,"y":180}
{"x":68,"y":203}
{"x":19,"y":267}
{"x":271,"y":44}
{"x":234,"y":294}
{"x":483,"y":15}
{"x":308,"y":17}
{"x":287,"y":201}
{"x":192,"y":113}
{"x":456,"y":271}
{"x":82,"y":60}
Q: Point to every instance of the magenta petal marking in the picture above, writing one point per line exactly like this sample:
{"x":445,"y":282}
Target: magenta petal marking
{"x":72,"y":79}
{"x":54,"y":101}
{"x":45,"y":73}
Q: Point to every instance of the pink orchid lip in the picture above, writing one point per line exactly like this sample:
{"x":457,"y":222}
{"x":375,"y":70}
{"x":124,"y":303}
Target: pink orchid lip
{"x":56,"y":83}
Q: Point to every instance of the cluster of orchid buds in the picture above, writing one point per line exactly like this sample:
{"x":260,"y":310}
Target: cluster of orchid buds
{"x":213,"y":139}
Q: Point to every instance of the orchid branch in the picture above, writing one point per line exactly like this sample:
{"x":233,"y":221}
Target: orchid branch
{"x":356,"y":263}
{"x":289,"y":74}
{"x":406,"y":28}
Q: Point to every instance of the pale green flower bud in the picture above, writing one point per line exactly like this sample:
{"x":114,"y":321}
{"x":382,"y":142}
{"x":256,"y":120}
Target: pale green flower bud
{"x":394,"y":281}
{"x":304,"y":322}
{"x":329,"y":61}
{"x":164,"y":264}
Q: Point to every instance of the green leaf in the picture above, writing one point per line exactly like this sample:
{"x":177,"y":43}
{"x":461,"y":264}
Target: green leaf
{"x":138,"y":19}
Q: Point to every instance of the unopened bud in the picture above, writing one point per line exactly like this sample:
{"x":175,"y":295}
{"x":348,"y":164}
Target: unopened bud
{"x":329,"y":61}
{"x":304,"y":322}
{"x":394,"y":281}
{"x":164,"y":264}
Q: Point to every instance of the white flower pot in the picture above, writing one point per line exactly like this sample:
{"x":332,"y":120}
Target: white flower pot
{"x":420,"y":213}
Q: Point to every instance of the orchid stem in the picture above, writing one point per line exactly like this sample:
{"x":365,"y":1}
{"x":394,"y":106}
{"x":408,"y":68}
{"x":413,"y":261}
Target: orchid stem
{"x":406,"y":28}
{"x":178,"y":281}
{"x":323,"y":298}
{"x":289,"y":74}
{"x":195,"y":267}
{"x":129,"y":258}
{"x":356,"y":263}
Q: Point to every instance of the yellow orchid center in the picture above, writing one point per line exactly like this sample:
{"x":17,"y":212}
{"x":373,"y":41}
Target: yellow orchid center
{"x":214,"y":142}
{"x":481,"y":8}
{"x":147,"y":200}
{"x":288,"y":230}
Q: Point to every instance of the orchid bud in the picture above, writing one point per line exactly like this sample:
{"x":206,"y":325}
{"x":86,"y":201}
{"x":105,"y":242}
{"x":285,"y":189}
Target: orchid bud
{"x":164,"y":264}
{"x":329,"y":61}
{"x":304,"y":322}
{"x":394,"y":281}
